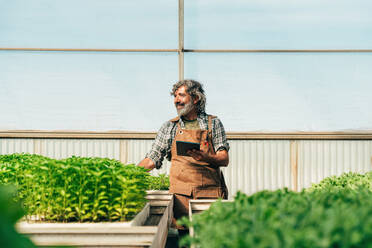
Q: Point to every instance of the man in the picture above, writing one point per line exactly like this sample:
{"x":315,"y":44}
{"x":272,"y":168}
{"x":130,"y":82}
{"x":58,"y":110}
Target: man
{"x":198,"y":175}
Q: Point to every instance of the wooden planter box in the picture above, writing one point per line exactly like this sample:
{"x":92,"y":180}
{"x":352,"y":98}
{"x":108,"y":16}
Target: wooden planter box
{"x":148,"y":229}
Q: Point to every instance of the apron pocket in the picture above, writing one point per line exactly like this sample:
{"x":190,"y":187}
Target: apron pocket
{"x":206,"y":193}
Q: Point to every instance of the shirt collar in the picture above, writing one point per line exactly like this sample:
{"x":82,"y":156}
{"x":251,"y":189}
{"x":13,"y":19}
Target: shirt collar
{"x":202,"y":120}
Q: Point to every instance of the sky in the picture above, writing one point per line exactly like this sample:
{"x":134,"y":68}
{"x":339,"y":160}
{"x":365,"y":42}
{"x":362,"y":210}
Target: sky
{"x":249,"y":92}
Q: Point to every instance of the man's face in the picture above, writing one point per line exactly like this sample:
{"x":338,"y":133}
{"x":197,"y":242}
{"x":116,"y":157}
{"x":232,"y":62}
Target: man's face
{"x":183,"y":101}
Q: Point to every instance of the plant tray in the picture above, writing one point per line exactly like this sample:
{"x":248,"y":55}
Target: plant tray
{"x":148,"y":229}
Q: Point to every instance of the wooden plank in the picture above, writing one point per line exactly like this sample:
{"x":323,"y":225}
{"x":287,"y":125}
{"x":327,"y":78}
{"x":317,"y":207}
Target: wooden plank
{"x":201,"y":205}
{"x":161,"y":236}
{"x":158,"y":192}
{"x":83,"y":228}
{"x":158,"y":198}
{"x":87,"y":227}
{"x":106,"y":240}
{"x":142,"y":216}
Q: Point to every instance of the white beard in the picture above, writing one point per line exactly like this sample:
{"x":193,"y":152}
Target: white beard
{"x":185,"y":110}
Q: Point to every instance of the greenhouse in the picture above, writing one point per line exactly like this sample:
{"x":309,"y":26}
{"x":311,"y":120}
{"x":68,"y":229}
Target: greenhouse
{"x":99,"y":97}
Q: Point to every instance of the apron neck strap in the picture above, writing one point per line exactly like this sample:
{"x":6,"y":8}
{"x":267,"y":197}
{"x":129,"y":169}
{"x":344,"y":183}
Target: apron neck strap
{"x":209,"y":128}
{"x":179,"y":125}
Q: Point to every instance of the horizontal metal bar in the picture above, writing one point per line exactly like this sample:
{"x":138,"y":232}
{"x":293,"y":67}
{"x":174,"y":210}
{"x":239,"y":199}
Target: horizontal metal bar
{"x":278,"y":50}
{"x":357,"y":135}
{"x":86,"y":50}
{"x":190,"y":50}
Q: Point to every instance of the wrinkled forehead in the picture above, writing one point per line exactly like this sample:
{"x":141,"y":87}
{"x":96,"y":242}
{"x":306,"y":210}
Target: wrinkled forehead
{"x":182,"y":89}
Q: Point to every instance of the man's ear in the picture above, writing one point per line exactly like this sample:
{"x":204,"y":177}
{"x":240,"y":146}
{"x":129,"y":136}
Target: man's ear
{"x":195,"y":100}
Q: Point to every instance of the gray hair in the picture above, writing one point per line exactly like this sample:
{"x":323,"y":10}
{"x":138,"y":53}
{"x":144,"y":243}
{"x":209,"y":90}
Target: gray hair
{"x":195,"y":90}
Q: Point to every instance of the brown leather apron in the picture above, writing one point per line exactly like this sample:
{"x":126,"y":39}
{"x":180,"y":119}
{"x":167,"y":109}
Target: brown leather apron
{"x":192,"y":179}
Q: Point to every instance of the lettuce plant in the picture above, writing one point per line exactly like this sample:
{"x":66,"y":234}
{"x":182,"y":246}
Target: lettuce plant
{"x":335,"y":213}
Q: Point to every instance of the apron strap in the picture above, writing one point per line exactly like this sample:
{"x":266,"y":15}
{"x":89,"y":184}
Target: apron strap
{"x":209,"y":127}
{"x":179,"y":129}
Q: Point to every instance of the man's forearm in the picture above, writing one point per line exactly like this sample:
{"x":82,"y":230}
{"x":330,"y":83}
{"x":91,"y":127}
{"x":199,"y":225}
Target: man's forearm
{"x":220,"y":159}
{"x":147,"y":164}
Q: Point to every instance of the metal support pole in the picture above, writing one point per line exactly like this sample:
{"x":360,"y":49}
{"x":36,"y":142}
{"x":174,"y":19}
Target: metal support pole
{"x":180,"y":39}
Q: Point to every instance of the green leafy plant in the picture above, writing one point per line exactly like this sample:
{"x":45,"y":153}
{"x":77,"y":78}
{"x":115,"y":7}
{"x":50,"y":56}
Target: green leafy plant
{"x":75,"y":189}
{"x":10,"y":212}
{"x":349,"y":180}
{"x":335,"y":213}
{"x":160,"y":182}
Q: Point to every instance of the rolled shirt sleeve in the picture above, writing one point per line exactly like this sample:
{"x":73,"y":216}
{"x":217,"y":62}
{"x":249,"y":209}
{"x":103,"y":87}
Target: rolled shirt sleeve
{"x":219,"y":136}
{"x":161,"y":147}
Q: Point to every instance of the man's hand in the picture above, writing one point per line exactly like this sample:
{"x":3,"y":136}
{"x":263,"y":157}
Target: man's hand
{"x":147,"y":164}
{"x":199,"y":155}
{"x":221,"y":158}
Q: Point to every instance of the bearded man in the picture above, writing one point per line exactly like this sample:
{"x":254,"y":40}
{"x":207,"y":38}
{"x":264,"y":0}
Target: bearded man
{"x":198,"y":175}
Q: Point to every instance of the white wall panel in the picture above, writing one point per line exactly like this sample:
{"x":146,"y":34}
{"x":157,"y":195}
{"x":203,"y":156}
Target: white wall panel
{"x":63,"y":148}
{"x":319,"y":159}
{"x":258,"y":164}
{"x":8,"y":146}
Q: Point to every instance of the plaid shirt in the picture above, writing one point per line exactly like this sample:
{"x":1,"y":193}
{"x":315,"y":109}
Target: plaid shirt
{"x":163,"y":142}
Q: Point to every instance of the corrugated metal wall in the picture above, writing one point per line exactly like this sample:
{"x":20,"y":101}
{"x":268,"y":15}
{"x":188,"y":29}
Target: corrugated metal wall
{"x":254,"y":164}
{"x":258,"y":164}
{"x":322,"y":158}
{"x":8,"y":146}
